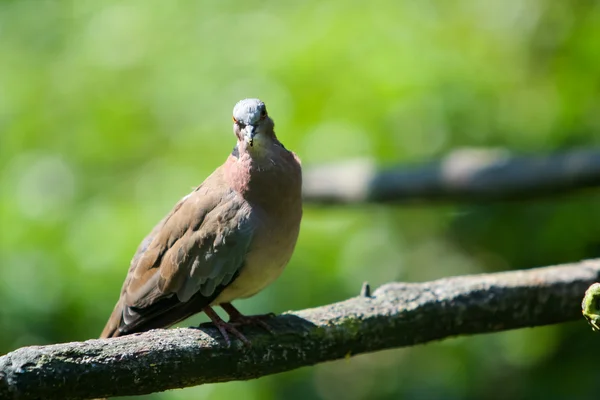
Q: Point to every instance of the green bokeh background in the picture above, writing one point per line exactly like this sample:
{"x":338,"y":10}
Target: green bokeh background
{"x":110,"y":111}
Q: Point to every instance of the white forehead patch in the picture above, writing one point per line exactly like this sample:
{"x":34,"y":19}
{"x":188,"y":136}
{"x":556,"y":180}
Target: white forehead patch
{"x":248,"y":111}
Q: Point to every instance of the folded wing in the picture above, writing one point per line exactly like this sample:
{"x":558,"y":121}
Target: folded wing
{"x":185,"y":262}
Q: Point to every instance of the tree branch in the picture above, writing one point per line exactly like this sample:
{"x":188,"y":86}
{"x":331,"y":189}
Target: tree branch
{"x":466,"y":175}
{"x":395,"y":315}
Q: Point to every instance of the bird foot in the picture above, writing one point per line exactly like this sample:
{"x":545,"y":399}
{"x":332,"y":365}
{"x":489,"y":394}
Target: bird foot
{"x":225,"y":327}
{"x":236,"y":318}
{"x":256,"y":320}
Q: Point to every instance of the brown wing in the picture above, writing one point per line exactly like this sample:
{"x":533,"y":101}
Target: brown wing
{"x":185,"y":262}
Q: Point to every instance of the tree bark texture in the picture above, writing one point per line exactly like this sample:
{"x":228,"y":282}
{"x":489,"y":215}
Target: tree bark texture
{"x":394,"y":315}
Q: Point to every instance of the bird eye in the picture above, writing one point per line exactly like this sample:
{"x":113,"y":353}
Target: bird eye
{"x":239,"y":123}
{"x":263,"y":113}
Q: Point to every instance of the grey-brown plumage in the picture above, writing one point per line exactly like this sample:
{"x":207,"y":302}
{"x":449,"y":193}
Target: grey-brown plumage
{"x":228,"y":239}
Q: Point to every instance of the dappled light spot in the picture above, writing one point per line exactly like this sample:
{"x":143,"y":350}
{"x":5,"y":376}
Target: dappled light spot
{"x":374,"y":251}
{"x":97,"y":238}
{"x":45,"y":185}
{"x":117,"y":36}
{"x":30,"y":279}
{"x":333,"y":140}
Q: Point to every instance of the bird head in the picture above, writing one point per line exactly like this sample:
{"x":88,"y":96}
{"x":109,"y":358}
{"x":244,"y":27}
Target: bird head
{"x":252,"y":125}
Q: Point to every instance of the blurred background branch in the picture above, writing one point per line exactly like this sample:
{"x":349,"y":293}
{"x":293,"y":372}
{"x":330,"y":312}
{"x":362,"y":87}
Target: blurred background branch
{"x":463,"y":175}
{"x":396,"y":315}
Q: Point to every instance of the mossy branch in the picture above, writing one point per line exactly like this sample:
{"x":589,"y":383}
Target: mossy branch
{"x":395,"y":315}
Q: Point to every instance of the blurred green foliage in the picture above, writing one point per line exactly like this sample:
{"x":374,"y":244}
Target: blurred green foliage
{"x":110,"y":111}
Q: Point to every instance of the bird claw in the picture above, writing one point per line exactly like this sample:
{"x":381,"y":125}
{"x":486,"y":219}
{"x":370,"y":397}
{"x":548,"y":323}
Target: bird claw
{"x":236,"y":318}
{"x":225,"y":327}
{"x":257,"y":320}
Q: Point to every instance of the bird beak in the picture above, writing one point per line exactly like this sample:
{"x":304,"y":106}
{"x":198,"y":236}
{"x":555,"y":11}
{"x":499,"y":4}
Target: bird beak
{"x":250,"y":132}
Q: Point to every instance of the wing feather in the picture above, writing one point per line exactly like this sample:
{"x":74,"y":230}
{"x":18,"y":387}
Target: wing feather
{"x":187,"y":260}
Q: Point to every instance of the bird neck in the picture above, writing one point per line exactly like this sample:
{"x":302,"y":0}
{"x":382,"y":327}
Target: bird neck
{"x":262,"y":177}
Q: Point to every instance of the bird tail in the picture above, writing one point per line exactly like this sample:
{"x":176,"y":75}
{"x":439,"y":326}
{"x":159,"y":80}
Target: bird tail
{"x":112,"y":326}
